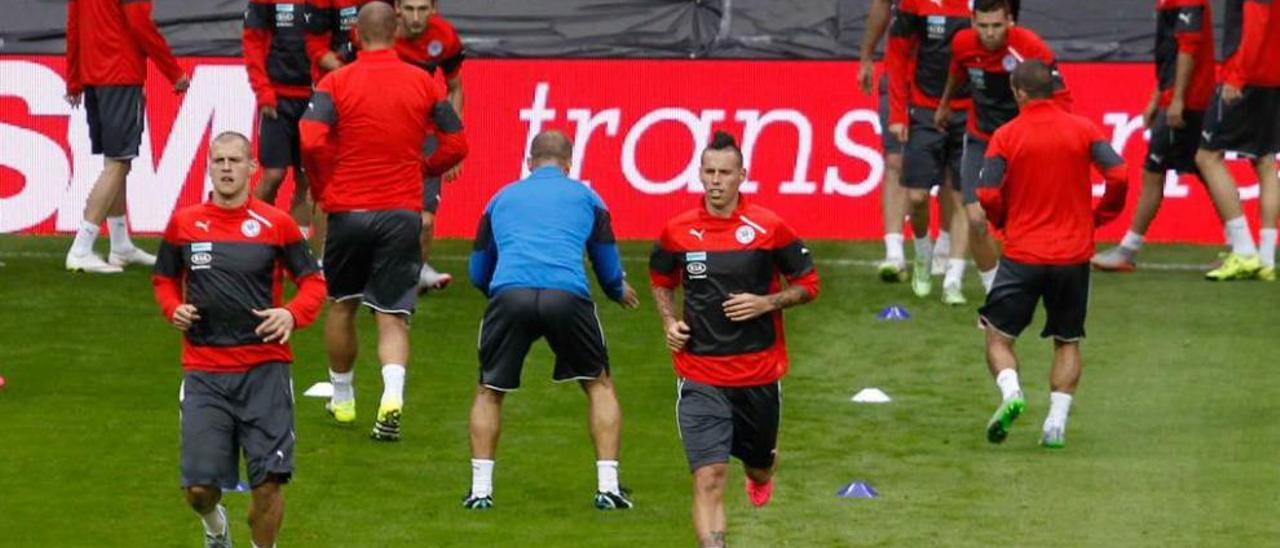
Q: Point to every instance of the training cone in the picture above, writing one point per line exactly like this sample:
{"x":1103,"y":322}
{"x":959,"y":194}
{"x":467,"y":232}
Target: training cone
{"x":857,"y":490}
{"x":894,"y":313}
{"x":871,"y":395}
{"x":319,"y":390}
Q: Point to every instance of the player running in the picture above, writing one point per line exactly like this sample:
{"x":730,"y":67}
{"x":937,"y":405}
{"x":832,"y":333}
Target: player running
{"x":361,"y":142}
{"x":1185,"y":73}
{"x":982,"y":57}
{"x":218,"y":280}
{"x":108,"y":44}
{"x":1036,"y":186}
{"x":893,"y":198}
{"x":918,"y":60}
{"x":1245,"y":117}
{"x":275,"y":58}
{"x":529,"y":265}
{"x":728,"y":344}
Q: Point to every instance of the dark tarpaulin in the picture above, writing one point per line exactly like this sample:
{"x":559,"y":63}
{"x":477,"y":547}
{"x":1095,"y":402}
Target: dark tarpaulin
{"x":1083,"y":30}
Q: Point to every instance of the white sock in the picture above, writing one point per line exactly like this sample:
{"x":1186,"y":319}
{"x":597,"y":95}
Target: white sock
{"x":955,"y":273}
{"x":943,"y":244}
{"x":481,"y":477}
{"x":1007,"y":380}
{"x":893,"y":250}
{"x":924,"y":248}
{"x":306,"y":231}
{"x":118,"y":229}
{"x":1132,"y":242}
{"x":988,"y":278}
{"x":343,"y":389}
{"x":1267,"y":247}
{"x":214,"y":524}
{"x":393,"y":383}
{"x":1240,"y":237}
{"x":607,"y":476}
{"x":83,"y":244}
{"x":1059,"y":406}
{"x":255,"y":545}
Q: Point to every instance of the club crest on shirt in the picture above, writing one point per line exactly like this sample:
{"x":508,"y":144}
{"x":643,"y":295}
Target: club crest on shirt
{"x":1009,"y":62}
{"x":250,"y":228}
{"x":435,"y":48}
{"x":745,"y":234}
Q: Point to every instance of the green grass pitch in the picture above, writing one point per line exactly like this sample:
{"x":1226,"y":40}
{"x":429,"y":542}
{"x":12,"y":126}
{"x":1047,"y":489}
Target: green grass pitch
{"x":1173,"y":439}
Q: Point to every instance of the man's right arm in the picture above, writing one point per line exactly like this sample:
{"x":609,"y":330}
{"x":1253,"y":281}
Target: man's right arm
{"x":256,"y":40}
{"x":1116,"y":175}
{"x":904,"y":38}
{"x":74,"y":85}
{"x":320,"y":29}
{"x":138,"y":16}
{"x":318,"y":140}
{"x":484,"y":254}
{"x":664,"y":278}
{"x":991,"y":181}
{"x":877,"y":24}
{"x":166,"y":276}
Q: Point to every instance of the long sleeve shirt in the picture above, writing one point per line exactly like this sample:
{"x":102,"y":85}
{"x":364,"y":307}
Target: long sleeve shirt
{"x":275,"y":53}
{"x":1251,"y":43}
{"x":1185,"y":27}
{"x":109,"y":42}
{"x":988,"y":73}
{"x":919,"y":55}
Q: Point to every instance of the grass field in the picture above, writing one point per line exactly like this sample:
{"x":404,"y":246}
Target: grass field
{"x":1173,"y":439}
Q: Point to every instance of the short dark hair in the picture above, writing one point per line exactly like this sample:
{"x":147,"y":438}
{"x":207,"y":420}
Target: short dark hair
{"x":1034,"y":78}
{"x":987,"y":6}
{"x":723,"y":141}
{"x":550,"y":145}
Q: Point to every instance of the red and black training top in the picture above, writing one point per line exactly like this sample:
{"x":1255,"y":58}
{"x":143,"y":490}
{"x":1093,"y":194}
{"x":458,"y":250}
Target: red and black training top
{"x":713,"y":258}
{"x":109,"y":41}
{"x":275,"y":49}
{"x":1037,"y":184}
{"x":919,"y":55}
{"x":437,"y":47}
{"x":1251,"y":43}
{"x":332,"y":29}
{"x":228,"y":263}
{"x":1185,"y":26}
{"x":362,"y":137}
{"x":988,"y":71}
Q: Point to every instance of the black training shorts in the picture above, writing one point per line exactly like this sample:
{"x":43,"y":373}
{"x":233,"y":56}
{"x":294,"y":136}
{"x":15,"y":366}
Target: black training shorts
{"x":1174,"y":148}
{"x":516,"y":318}
{"x":279,"y":140}
{"x":116,"y":116}
{"x":1250,"y":126}
{"x":975,"y":152}
{"x":224,"y":414}
{"x":1019,"y":287}
{"x":719,"y":422}
{"x":374,"y":256}
{"x":931,"y":155}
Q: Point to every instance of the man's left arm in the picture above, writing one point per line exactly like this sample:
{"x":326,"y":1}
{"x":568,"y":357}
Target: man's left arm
{"x":602,"y":248}
{"x":318,"y":139}
{"x":991,"y":181}
{"x":453,"y":140}
{"x":793,"y":260}
{"x":1190,"y":35}
{"x":484,"y":254}
{"x":138,"y":16}
{"x":1116,"y":175}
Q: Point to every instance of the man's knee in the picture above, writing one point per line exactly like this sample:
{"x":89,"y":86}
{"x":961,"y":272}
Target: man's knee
{"x":489,"y":395}
{"x":601,"y":384}
{"x":893,"y":163}
{"x":392,"y":321}
{"x":977,"y":221}
{"x":202,"y":498}
{"x":918,"y":197}
{"x":1206,"y":158}
{"x":711,"y":478}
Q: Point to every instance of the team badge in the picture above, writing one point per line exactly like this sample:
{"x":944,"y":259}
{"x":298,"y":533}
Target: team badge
{"x":250,"y":228}
{"x":1010,"y":62}
{"x":745,"y":234}
{"x":435,"y":48}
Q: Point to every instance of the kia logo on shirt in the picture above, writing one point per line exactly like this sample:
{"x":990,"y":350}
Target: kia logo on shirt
{"x":201,"y":259}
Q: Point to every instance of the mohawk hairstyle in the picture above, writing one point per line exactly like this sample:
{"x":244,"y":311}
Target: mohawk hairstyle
{"x":723,"y":141}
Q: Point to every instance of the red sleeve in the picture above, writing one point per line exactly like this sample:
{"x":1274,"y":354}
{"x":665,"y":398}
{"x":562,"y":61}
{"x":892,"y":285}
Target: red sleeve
{"x":319,"y":30}
{"x":663,"y":262}
{"x":305,"y":272}
{"x":1191,"y":32}
{"x":453,"y":140}
{"x":1114,"y":172}
{"x":256,"y":41}
{"x":958,"y":51}
{"x":317,"y":138}
{"x":794,"y":261}
{"x":453,"y":55}
{"x":74,"y":85}
{"x":137,"y":14}
{"x":166,"y":279}
{"x":903,"y":41}
{"x":1235,"y":70}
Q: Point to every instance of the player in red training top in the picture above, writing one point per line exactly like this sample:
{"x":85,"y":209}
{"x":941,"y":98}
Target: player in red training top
{"x":1036,"y":185}
{"x":1175,"y":115}
{"x":729,"y":347}
{"x":918,"y":60}
{"x":362,"y":144}
{"x":893,"y":198}
{"x":218,"y":280}
{"x":108,"y":44}
{"x":275,"y":58}
{"x":982,"y":57}
{"x":1245,"y":117}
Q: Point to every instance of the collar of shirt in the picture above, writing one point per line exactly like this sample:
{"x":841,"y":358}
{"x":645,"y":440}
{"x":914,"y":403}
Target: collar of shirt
{"x":706,"y":213}
{"x":379,"y":55}
{"x":1038,"y":106}
{"x":547,"y":172}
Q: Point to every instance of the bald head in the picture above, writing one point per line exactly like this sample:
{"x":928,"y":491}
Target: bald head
{"x":232,"y":138}
{"x":551,"y":148}
{"x":376,"y":25}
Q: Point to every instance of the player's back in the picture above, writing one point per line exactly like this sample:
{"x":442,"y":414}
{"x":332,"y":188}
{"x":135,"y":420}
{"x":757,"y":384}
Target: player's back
{"x":383,"y":110}
{"x":541,"y":227}
{"x":106,"y":45}
{"x":1048,"y":192}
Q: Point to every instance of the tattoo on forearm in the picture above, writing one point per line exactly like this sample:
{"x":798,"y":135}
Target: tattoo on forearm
{"x":666,"y":303}
{"x":791,"y":296}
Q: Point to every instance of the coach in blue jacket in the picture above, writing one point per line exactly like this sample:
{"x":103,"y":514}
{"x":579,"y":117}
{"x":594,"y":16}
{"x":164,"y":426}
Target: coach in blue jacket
{"x":528,"y":261}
